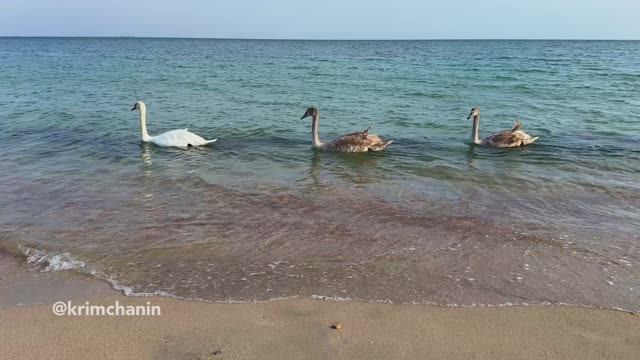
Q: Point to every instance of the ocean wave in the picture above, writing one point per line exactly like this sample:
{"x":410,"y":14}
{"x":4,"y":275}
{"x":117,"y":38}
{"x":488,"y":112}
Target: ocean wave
{"x":53,"y":261}
{"x":61,"y":261}
{"x":47,"y":260}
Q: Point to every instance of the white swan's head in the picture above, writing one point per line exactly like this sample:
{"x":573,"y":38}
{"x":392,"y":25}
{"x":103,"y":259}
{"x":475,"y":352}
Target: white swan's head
{"x":139,"y":105}
{"x":474,"y":112}
{"x":312,"y":111}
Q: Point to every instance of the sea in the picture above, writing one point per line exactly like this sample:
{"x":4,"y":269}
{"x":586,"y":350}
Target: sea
{"x":261,"y":215}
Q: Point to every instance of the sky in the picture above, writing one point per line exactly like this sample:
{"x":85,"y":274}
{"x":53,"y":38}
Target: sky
{"x":325,"y":19}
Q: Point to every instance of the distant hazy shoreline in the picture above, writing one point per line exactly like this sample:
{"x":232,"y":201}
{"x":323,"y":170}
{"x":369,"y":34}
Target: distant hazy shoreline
{"x":295,"y":39}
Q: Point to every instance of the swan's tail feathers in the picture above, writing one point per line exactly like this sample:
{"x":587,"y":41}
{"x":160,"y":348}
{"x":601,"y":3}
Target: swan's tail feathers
{"x":517,"y":125}
{"x":207,"y":142}
{"x":532,"y":140}
{"x":380,"y":146}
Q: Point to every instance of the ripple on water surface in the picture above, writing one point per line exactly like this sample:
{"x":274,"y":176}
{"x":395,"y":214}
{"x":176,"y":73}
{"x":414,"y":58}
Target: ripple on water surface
{"x":261,"y":216}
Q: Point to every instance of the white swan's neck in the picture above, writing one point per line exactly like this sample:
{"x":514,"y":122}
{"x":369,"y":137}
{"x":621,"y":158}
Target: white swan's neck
{"x":314,"y":131}
{"x":143,"y":124}
{"x":475,"y":136}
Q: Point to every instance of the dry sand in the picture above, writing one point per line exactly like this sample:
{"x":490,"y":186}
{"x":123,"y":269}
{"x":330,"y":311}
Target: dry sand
{"x":297,"y":328}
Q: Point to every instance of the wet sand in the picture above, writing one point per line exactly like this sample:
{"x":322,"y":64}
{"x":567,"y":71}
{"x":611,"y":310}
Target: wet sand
{"x":295,"y":328}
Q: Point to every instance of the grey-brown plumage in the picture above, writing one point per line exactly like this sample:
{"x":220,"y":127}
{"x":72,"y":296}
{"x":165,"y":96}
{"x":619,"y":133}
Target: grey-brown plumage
{"x":360,"y":141}
{"x":502,"y":139}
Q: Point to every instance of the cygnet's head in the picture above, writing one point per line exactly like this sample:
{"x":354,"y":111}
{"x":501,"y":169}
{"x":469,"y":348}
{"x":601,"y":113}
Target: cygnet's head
{"x":312,"y":111}
{"x":474,"y":112}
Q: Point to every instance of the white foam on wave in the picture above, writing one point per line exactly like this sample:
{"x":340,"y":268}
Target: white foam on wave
{"x":330,"y":298}
{"x":339,"y":299}
{"x":473,"y":304}
{"x":129,"y":291}
{"x":126,"y":290}
{"x":54,"y":261}
{"x":61,"y":261}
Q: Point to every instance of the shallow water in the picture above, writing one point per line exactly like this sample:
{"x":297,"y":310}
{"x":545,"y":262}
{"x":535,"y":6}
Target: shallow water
{"x":261,"y":215}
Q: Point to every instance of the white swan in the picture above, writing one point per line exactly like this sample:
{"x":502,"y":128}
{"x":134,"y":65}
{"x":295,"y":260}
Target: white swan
{"x":181,"y":138}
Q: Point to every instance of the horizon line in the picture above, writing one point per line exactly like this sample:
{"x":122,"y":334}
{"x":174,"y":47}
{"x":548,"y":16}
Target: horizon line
{"x":309,"y":39}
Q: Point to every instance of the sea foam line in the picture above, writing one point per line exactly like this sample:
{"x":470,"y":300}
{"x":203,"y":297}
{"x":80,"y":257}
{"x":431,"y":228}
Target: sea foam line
{"x":62,"y":261}
{"x":54,"y":261}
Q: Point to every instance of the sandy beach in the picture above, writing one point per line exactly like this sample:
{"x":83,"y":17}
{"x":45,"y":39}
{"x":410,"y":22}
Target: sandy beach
{"x":294,"y":328}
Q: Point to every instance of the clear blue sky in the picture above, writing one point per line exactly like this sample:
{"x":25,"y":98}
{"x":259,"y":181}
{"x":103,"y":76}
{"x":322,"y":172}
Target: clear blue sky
{"x":325,"y":19}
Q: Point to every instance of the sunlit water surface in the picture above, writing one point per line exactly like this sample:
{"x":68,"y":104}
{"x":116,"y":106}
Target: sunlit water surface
{"x":261,"y":215}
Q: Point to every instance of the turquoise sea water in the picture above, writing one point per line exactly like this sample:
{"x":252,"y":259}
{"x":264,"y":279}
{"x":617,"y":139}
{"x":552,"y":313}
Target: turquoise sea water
{"x":261,"y":215}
